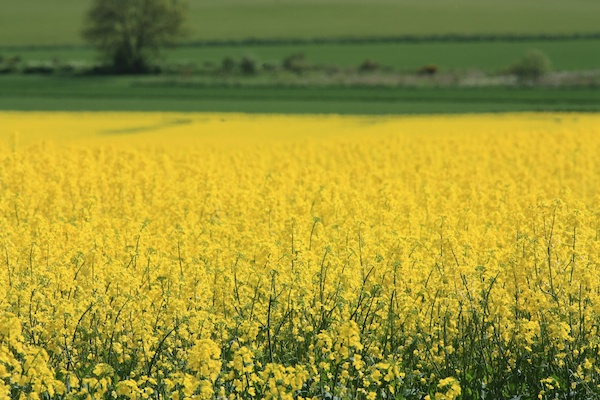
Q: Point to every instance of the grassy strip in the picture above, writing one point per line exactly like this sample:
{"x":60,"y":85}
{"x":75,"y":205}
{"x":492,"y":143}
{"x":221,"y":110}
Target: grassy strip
{"x":283,"y":41}
{"x":129,"y":94}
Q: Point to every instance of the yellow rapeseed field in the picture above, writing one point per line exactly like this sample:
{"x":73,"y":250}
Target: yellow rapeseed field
{"x":287,"y":257}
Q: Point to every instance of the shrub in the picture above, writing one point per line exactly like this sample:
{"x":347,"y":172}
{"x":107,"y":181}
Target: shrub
{"x":533,"y":65}
{"x":369,"y":66}
{"x":429,"y":69}
{"x":295,"y":62}
{"x":249,"y":66}
{"x":228,"y":65}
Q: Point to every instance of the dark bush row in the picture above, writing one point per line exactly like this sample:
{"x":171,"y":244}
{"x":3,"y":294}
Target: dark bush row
{"x":532,"y":66}
{"x":14,"y":64}
{"x":249,"y":65}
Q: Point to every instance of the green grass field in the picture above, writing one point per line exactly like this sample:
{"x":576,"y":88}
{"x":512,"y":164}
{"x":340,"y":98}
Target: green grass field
{"x":133,"y":94}
{"x":58,"y":22}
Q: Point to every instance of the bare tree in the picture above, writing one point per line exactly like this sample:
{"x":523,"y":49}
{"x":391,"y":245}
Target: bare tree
{"x":131,"y":33}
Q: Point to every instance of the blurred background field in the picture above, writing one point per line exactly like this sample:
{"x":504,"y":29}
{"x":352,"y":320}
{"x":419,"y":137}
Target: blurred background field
{"x":39,"y":22}
{"x":441,"y":48}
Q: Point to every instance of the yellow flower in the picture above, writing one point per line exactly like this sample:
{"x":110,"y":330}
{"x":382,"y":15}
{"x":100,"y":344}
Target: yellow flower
{"x":226,"y":255}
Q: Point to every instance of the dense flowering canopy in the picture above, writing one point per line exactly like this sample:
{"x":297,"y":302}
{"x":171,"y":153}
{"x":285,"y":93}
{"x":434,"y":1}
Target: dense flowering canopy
{"x":229,"y":256}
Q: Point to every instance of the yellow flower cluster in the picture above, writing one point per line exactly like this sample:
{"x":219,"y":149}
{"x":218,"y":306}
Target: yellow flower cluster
{"x":219,"y":256}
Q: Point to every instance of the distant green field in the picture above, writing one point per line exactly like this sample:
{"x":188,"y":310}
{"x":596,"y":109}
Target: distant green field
{"x":56,"y":22}
{"x":565,"y":54}
{"x":129,"y":94}
{"x":41,"y":30}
